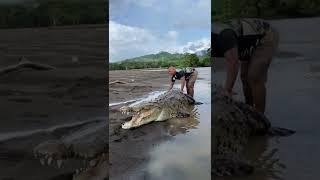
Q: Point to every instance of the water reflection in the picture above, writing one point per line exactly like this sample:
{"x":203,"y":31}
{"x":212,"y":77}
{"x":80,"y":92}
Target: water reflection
{"x":265,"y":160}
{"x":182,"y":125}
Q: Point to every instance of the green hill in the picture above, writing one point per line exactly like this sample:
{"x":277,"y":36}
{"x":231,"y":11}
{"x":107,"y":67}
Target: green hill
{"x":161,"y":59}
{"x":156,"y":57}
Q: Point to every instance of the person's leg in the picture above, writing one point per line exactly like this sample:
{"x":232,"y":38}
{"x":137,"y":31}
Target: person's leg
{"x":191,"y":82}
{"x":187,"y":86}
{"x":245,"y":82}
{"x":258,"y":70}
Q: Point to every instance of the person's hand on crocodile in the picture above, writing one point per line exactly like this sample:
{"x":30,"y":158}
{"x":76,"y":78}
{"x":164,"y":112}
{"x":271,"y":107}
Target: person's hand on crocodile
{"x":227,"y":93}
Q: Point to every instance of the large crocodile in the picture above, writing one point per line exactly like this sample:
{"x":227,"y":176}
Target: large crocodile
{"x":171,"y":104}
{"x":233,"y":123}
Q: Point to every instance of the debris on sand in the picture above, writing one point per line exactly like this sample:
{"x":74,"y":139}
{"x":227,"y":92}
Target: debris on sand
{"x":117,"y":82}
{"x":24,"y":63}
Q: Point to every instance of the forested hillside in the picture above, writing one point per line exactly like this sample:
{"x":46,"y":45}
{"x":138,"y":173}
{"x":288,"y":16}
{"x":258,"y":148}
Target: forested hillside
{"x":272,"y":9}
{"x":162,"y":59}
{"x":40,"y":13}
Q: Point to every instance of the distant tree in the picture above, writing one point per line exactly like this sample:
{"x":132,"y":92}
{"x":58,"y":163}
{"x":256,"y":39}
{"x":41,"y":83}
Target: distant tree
{"x":206,"y":61}
{"x":191,"y":60}
{"x":224,"y":9}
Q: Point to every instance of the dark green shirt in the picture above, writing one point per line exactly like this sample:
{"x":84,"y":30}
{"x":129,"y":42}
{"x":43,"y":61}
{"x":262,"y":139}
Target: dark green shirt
{"x":182,"y":73}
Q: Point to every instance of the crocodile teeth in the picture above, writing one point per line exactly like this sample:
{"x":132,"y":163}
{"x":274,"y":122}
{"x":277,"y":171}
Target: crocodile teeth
{"x":49,"y":160}
{"x":46,"y":157}
{"x":59,"y":163}
{"x":42,"y":161}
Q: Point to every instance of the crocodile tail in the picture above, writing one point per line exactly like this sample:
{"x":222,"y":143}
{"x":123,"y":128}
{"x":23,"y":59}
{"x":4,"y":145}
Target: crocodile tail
{"x":277,"y":131}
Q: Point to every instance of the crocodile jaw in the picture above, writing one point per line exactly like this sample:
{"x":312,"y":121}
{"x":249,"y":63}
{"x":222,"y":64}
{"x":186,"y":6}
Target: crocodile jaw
{"x":98,"y":171}
{"x":142,"y":117}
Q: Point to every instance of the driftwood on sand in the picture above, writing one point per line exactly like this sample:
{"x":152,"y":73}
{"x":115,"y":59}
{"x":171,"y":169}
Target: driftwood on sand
{"x":24,"y":63}
{"x":117,"y":82}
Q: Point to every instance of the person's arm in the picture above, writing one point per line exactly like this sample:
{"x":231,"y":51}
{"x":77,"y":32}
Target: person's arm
{"x":183,"y":83}
{"x":232,"y":63}
{"x":171,"y":84}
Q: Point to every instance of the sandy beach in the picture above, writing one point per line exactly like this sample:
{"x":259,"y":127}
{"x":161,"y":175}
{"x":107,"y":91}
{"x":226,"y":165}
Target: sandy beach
{"x":135,"y":83}
{"x":34,"y":101}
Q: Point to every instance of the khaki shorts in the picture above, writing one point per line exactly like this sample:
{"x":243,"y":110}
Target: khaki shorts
{"x":261,"y":59}
{"x":192,"y":79}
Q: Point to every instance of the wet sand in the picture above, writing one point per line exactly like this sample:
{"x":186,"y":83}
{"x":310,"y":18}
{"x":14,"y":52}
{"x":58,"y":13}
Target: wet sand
{"x":136,"y":83}
{"x":293,"y":102}
{"x":133,"y":152}
{"x":33,"y":100}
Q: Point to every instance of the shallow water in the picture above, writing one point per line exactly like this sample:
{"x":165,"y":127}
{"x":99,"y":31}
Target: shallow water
{"x":187,"y":156}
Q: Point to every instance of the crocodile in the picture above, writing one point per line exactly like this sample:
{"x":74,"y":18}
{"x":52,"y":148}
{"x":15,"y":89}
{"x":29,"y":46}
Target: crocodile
{"x":171,"y":104}
{"x":233,"y":123}
{"x":88,"y":144}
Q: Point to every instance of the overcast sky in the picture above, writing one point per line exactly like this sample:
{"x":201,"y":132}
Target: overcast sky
{"x":140,"y":27}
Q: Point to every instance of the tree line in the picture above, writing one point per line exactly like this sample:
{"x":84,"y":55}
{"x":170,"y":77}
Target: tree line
{"x":43,"y":13}
{"x":187,"y":60}
{"x":268,"y":9}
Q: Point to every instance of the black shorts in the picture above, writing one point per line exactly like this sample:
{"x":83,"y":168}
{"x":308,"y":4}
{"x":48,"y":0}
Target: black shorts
{"x":228,"y":39}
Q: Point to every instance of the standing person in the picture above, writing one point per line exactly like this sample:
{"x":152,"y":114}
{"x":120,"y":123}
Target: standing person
{"x":187,"y":78}
{"x":251,"y":44}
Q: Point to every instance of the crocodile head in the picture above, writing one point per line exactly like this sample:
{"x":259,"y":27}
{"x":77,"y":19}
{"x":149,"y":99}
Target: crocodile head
{"x":87,"y":144}
{"x":144,"y":115}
